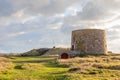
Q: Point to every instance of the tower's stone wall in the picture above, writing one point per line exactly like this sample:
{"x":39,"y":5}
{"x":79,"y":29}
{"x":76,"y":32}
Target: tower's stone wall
{"x":91,"y":41}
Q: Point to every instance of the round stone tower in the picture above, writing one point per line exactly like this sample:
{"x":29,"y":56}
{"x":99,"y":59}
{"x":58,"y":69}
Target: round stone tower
{"x":90,"y":41}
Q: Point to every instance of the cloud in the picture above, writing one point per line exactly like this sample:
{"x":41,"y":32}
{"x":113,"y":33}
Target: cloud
{"x":45,"y":7}
{"x":16,"y":34}
{"x":114,"y":45}
{"x":3,"y":51}
{"x":6,"y":8}
{"x":44,"y":23}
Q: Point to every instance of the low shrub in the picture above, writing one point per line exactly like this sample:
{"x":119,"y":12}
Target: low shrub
{"x":82,"y":55}
{"x":18,"y":67}
{"x":93,"y":72}
{"x":74,"y":69}
{"x":115,"y":67}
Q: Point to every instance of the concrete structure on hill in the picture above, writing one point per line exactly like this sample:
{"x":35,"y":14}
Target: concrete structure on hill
{"x":68,"y":54}
{"x":90,"y":41}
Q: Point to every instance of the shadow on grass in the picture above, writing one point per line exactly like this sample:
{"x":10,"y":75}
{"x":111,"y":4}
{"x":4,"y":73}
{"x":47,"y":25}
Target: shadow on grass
{"x":62,"y":77}
{"x":56,"y":77}
{"x":33,"y":61}
{"x":34,"y":57}
{"x":55,"y":64}
{"x":54,"y":73}
{"x":115,"y":67}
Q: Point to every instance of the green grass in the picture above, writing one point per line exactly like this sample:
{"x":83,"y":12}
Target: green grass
{"x":34,"y":68}
{"x":50,"y":68}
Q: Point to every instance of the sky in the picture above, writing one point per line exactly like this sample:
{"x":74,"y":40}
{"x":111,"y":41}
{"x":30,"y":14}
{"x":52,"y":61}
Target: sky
{"x":28,"y":24}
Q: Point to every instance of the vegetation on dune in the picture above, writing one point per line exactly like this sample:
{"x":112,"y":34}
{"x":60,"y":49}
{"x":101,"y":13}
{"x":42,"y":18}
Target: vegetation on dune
{"x":42,"y":51}
{"x":35,"y":52}
{"x":49,"y":67}
{"x":94,"y":67}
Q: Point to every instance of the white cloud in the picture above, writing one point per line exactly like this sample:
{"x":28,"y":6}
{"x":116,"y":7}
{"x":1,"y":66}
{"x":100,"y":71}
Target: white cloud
{"x":63,"y":46}
{"x":16,"y":34}
{"x":115,"y":46}
{"x":29,"y":41}
{"x":32,"y":24}
{"x":3,"y":51}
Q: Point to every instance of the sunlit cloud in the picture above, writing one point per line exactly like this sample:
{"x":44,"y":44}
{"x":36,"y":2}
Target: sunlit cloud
{"x":16,"y":34}
{"x":25,"y":25}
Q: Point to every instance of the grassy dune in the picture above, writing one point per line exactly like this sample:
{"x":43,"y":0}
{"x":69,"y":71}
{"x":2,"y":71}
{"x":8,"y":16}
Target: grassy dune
{"x":94,"y":67}
{"x":48,"y":67}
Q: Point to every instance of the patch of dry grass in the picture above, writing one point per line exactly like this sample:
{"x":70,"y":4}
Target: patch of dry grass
{"x":84,"y":64}
{"x":5,"y":64}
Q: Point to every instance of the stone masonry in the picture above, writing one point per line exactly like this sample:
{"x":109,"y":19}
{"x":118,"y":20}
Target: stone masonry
{"x":90,"y":41}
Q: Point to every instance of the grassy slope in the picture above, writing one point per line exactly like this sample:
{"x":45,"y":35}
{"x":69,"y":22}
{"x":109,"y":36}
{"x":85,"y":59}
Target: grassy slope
{"x":50,"y":68}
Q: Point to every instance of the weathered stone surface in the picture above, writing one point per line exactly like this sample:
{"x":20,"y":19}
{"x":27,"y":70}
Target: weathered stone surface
{"x":91,"y":41}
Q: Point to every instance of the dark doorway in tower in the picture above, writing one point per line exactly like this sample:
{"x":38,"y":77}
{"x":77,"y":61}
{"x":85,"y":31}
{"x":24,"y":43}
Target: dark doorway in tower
{"x":72,"y":48}
{"x":64,"y":56}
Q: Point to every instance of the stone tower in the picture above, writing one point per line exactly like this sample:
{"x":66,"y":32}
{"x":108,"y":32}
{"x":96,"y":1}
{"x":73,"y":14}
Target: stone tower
{"x":90,"y":41}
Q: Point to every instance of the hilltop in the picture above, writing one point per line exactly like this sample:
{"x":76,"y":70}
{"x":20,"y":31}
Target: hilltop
{"x":42,"y":51}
